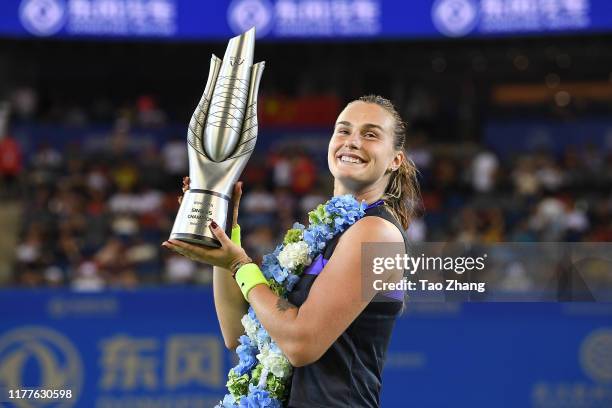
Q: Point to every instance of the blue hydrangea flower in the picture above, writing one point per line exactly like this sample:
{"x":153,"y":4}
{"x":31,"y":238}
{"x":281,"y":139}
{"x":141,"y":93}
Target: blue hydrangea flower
{"x":278,"y":273}
{"x":316,"y":236}
{"x":246,"y":352}
{"x":262,"y":336}
{"x":228,"y":402}
{"x":246,"y":363}
{"x":310,"y":240}
{"x":274,"y":348}
{"x":258,"y":398}
{"x":253,"y":316}
{"x":346,"y":202}
{"x":245,"y":340}
{"x":291,"y":281}
{"x":345,"y":211}
{"x":270,"y":266}
{"x":251,"y":313}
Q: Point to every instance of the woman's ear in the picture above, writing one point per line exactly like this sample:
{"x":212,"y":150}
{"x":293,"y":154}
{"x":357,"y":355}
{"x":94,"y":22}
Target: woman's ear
{"x":397,"y":160}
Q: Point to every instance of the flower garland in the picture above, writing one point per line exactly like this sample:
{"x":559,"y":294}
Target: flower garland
{"x":263,"y":374}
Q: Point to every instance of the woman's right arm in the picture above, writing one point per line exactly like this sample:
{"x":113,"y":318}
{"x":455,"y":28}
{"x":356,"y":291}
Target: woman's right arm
{"x":229,"y":301}
{"x":230,"y":306}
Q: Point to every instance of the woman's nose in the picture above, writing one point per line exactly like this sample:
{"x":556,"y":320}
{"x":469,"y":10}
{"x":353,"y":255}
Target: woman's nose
{"x":353,"y":140}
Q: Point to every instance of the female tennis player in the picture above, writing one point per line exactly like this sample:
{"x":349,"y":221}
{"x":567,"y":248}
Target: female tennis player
{"x":334,"y":336}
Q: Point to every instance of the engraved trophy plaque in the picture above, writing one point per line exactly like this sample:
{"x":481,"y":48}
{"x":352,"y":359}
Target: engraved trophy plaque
{"x":220,"y":139}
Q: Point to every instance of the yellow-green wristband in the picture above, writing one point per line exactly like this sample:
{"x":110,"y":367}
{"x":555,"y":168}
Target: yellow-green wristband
{"x":236,"y":235}
{"x":248,"y":276}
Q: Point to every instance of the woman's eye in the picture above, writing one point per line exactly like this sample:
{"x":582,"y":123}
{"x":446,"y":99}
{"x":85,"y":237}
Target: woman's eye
{"x":370,"y":135}
{"x":343,"y":131}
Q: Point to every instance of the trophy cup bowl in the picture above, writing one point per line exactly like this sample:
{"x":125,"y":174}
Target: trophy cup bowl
{"x":220,"y":139}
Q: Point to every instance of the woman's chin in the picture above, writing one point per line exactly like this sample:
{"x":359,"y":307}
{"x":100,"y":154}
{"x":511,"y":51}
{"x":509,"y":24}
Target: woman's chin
{"x":346,"y":174}
{"x":349,"y":169}
{"x":350,"y":180}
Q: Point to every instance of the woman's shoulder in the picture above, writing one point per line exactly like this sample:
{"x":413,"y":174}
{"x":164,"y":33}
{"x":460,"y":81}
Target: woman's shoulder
{"x":372,"y":229}
{"x":376,"y":226}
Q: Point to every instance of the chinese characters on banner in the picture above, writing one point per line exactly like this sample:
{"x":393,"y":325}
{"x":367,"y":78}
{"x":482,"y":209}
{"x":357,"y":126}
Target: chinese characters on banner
{"x":519,"y":15}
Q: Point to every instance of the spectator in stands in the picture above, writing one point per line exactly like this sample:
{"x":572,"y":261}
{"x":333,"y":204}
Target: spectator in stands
{"x":259,"y":206}
{"x":11,"y":164}
{"x":114,"y":197}
{"x":174,"y":160}
{"x":304,"y":174}
{"x":484,"y":171}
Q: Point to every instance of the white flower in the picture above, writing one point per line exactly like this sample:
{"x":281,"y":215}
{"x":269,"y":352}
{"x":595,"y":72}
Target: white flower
{"x":276,"y":363}
{"x":250,"y":327}
{"x":294,"y":254}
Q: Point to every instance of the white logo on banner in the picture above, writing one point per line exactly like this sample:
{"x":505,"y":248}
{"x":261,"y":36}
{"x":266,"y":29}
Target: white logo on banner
{"x":533,"y":15}
{"x":49,"y":356}
{"x":596,"y":355}
{"x":42,"y":17}
{"x":454,"y":18}
{"x":328,"y":18}
{"x":123,"y":17}
{"x":244,"y":14}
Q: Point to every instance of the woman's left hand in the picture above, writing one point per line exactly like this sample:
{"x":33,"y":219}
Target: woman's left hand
{"x":228,"y":256}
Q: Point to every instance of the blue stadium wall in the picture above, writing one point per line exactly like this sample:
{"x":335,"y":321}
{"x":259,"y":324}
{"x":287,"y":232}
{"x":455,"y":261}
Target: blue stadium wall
{"x":163,"y":348}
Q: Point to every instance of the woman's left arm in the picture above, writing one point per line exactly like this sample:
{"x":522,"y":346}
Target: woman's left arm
{"x":335,"y":299}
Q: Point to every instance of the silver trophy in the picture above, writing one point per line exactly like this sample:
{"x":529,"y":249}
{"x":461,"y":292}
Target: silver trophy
{"x":221,"y":137}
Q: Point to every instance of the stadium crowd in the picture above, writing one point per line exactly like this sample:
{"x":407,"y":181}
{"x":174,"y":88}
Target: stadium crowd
{"x":94,"y":218}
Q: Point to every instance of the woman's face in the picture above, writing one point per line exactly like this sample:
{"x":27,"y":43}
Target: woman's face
{"x":361,"y":148}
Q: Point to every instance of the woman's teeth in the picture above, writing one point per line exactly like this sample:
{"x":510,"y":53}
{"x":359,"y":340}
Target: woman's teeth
{"x":350,"y":159}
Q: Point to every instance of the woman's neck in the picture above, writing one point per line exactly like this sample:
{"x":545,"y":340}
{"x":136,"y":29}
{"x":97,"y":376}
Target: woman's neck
{"x":370,"y":193}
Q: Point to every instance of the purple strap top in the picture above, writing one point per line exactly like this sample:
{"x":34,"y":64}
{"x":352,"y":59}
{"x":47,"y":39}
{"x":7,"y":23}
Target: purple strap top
{"x":319,"y":263}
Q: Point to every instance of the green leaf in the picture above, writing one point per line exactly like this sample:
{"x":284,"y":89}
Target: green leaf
{"x":276,"y":387}
{"x":319,"y":215}
{"x":293,"y":235}
{"x":276,"y":287}
{"x":238,"y":386}
{"x":299,"y":270}
{"x":256,"y":374}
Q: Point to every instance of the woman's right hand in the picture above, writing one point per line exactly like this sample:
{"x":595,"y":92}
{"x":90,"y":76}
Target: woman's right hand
{"x":202,"y":253}
{"x":236,"y":195}
{"x":186,"y":182}
{"x":229,"y":301}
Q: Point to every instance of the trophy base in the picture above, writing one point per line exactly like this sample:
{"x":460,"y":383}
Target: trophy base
{"x":198,"y":208}
{"x":197,"y":239}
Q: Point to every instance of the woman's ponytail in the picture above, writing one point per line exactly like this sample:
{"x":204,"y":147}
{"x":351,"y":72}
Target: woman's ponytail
{"x":402,"y":194}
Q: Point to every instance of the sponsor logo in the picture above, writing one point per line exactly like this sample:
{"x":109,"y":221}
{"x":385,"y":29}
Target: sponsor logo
{"x":42,"y":17}
{"x":596,"y":355}
{"x":455,"y":18}
{"x":48,"y":356}
{"x":244,"y":14}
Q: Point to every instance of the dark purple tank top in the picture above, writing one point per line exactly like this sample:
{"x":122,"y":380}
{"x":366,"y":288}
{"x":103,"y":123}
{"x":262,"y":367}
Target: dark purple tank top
{"x":349,"y":373}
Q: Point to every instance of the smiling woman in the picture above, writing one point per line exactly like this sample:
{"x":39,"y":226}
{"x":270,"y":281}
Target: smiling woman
{"x":370,"y":132}
{"x":336,"y":344}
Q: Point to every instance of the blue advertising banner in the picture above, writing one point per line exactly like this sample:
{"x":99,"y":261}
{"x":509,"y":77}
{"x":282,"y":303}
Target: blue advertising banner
{"x":506,"y":138}
{"x":162,"y":348}
{"x":511,"y":138}
{"x":299,"y":19}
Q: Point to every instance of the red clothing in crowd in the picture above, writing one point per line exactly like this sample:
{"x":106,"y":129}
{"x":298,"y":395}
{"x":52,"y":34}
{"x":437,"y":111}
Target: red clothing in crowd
{"x":304,"y":175}
{"x":11,"y":160}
